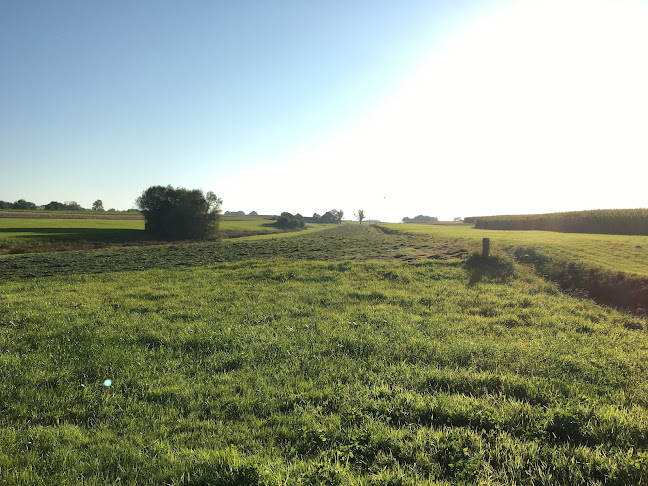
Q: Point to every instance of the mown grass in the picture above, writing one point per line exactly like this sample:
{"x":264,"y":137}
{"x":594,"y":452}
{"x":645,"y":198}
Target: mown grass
{"x":338,"y":243}
{"x":420,"y":371}
{"x":41,"y":230}
{"x":19,"y":230}
{"x":261,"y":228}
{"x":311,"y":228}
{"x":35,"y":235}
{"x":252,"y":226}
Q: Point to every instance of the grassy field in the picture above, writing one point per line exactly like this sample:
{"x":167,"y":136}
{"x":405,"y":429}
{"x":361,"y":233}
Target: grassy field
{"x":344,"y":242}
{"x":42,"y":213}
{"x":30,"y":234}
{"x":611,"y":269}
{"x":255,"y":228}
{"x":42,"y":230}
{"x":618,"y":253}
{"x":60,"y":229}
{"x":278,"y":233}
{"x":347,"y":356}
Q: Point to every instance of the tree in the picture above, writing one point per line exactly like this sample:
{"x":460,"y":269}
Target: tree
{"x":316,"y":217}
{"x":68,"y":206}
{"x":22,"y":204}
{"x":178,"y":213}
{"x":338,"y":214}
{"x":360,"y":215}
{"x":288,"y":221}
{"x":73,"y":206}
{"x":421,"y":219}
{"x":98,"y":205}
{"x":458,"y":219}
{"x":54,"y":206}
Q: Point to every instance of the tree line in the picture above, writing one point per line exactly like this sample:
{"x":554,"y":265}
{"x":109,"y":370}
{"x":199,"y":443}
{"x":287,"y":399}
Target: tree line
{"x":240,"y":213}
{"x":176,"y":213}
{"x":297,"y":221}
{"x":23,"y":205}
{"x":420,"y":219}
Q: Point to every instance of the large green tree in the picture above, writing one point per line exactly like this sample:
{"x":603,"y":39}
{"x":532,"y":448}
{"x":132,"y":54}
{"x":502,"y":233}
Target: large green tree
{"x":22,"y":204}
{"x":180,"y":214}
{"x":288,"y":221}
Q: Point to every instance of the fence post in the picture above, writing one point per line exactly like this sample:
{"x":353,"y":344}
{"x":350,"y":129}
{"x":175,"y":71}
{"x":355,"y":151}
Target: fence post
{"x":485,"y":247}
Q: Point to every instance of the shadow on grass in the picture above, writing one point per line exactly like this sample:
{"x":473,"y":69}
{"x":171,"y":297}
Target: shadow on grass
{"x":494,"y":268}
{"x":626,"y":292}
{"x":73,"y":234}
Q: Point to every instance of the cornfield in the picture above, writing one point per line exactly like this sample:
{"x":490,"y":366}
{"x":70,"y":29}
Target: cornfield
{"x":605,"y":221}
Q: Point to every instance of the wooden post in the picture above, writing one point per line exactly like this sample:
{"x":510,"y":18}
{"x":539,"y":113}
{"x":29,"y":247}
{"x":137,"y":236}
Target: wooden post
{"x":485,"y":247}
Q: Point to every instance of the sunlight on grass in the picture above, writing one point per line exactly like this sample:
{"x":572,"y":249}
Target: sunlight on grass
{"x":19,"y":230}
{"x":311,"y":228}
{"x":614,"y":252}
{"x":267,"y":372}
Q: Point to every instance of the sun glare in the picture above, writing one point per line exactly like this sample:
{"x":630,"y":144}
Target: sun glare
{"x":540,"y":106}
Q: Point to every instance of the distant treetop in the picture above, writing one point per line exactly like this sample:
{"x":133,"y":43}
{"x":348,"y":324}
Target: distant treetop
{"x":420,"y":219}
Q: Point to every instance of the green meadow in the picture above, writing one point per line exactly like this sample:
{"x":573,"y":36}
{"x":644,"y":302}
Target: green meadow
{"x":19,"y":235}
{"x":263,"y":229}
{"x":45,"y":230}
{"x":345,"y":356}
{"x":618,"y":253}
{"x":248,"y":227}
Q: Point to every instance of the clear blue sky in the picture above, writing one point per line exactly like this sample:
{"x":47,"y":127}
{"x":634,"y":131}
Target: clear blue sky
{"x":445,"y":108}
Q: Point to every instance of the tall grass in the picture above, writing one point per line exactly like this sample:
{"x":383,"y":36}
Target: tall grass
{"x":607,"y":221}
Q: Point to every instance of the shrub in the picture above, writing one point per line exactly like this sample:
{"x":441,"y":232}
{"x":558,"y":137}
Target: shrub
{"x":288,"y":221}
{"x":178,"y":213}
